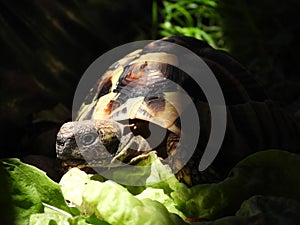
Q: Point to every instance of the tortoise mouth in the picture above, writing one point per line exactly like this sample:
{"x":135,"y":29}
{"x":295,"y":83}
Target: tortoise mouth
{"x":91,"y":167}
{"x":74,"y":162}
{"x":81,"y":163}
{"x":88,"y":167}
{"x":66,"y":165}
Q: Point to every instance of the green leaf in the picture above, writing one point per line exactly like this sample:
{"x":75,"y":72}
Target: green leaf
{"x":114,"y":204}
{"x":56,"y":219}
{"x":53,"y":215}
{"x":271,"y":172}
{"x":72,"y":185}
{"x":160,"y":196}
{"x":273,"y":208}
{"x":29,"y":188}
{"x":263,"y":210}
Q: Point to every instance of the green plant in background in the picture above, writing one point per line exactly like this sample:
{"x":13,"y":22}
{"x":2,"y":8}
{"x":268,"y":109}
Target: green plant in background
{"x":262,"y":35}
{"x":197,"y":18}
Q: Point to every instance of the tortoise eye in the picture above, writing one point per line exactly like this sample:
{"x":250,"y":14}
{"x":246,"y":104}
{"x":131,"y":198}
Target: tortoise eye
{"x":88,"y":139}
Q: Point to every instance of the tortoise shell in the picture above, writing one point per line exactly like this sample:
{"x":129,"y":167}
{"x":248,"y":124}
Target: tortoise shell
{"x":147,"y":79}
{"x":138,"y":91}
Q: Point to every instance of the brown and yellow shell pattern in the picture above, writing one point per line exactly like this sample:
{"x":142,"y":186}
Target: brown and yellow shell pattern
{"x":135,"y":91}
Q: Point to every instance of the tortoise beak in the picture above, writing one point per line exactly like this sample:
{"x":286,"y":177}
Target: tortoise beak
{"x":65,"y":148}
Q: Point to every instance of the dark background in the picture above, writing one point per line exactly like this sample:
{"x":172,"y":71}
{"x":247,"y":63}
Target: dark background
{"x":45,"y":48}
{"x":47,"y":45}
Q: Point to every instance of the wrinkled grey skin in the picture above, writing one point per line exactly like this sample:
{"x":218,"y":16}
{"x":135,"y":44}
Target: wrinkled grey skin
{"x":98,"y":143}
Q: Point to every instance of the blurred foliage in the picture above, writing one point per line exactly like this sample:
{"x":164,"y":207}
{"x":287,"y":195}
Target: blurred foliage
{"x":265,"y":35}
{"x":45,"y":48}
{"x":197,"y":18}
{"x":261,"y":34}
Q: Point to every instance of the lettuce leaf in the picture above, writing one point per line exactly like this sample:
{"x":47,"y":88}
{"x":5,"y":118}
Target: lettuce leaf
{"x":263,"y":210}
{"x":114,"y":204}
{"x":57,"y":216}
{"x":271,"y":172}
{"x":149,"y":172}
{"x":72,"y":185}
{"x":7,"y":211}
{"x":29,"y":188}
{"x":163,"y":199}
{"x":160,"y":196}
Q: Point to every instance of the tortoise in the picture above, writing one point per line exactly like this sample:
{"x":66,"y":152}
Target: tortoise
{"x":106,"y":130}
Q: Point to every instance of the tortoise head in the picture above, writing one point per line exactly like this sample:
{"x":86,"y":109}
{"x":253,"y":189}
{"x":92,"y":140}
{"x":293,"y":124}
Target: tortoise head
{"x":88,"y":141}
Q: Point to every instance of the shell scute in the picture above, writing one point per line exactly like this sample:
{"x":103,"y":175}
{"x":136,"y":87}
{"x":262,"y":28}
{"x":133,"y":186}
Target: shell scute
{"x":147,"y":84}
